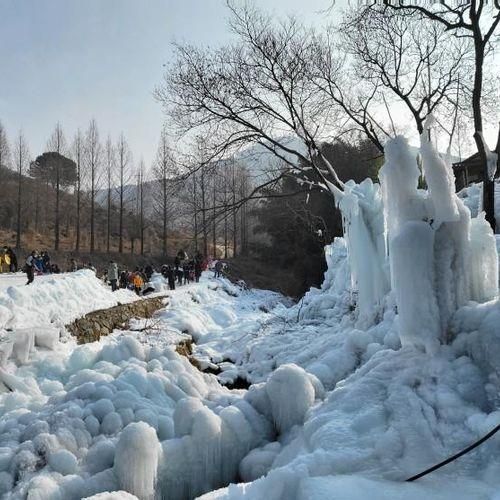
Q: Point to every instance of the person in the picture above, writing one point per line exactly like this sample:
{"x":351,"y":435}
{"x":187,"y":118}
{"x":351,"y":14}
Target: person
{"x":185,"y":272}
{"x":124,"y":279}
{"x":54,"y":268}
{"x":30,"y":267}
{"x":73,"y":266}
{"x":179,"y":273}
{"x":218,"y":268}
{"x":13,"y":260}
{"x":38,"y":263}
{"x":113,"y":275}
{"x":198,"y":266}
{"x":148,"y":271}
{"x":170,"y":278}
{"x":137,"y":281}
{"x":46,"y":267}
{"x":2,"y":259}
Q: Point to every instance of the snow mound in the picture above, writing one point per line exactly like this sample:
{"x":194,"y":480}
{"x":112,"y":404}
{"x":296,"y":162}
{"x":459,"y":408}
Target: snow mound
{"x":112,"y":495}
{"x":57,"y":299}
{"x":289,"y":411}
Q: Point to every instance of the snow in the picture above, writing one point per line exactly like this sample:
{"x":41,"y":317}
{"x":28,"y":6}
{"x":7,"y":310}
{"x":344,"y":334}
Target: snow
{"x":388,"y":368}
{"x":112,"y":495}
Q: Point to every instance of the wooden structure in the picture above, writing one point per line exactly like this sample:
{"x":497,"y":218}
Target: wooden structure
{"x":470,"y":170}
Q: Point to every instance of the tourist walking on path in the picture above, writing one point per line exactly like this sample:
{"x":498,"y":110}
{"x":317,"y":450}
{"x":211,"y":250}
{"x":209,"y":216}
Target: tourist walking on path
{"x":171,"y":278}
{"x":198,"y":266}
{"x":219,"y":265}
{"x":113,"y":275}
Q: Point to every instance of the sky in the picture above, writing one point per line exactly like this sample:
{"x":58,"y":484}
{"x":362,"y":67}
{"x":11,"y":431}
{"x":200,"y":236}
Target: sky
{"x":69,"y":61}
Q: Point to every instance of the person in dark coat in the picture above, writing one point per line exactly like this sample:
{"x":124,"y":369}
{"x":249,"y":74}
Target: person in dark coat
{"x":198,"y":266}
{"x":148,"y":271}
{"x":30,"y":267}
{"x":185,"y":271}
{"x":46,"y":268}
{"x":171,"y":278}
{"x":124,"y":279}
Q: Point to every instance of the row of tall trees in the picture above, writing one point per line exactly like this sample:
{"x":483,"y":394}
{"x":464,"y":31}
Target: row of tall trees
{"x":78,"y":171}
{"x":88,"y":195}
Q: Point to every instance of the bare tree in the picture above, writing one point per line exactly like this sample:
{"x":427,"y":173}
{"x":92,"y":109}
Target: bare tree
{"x":57,"y":144}
{"x":419,"y":64}
{"x":110,"y":164}
{"x":140,"y":203}
{"x":5,"y":158}
{"x":164,"y":171}
{"x":78,"y":150}
{"x":21,"y":153}
{"x":92,"y":163}
{"x":477,"y":20}
{"x":258,"y":90}
{"x":124,"y":157}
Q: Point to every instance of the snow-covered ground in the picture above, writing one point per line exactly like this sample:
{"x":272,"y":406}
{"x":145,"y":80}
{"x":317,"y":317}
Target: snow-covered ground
{"x":129,"y":413}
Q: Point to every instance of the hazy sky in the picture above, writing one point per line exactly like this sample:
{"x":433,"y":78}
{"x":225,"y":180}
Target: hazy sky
{"x":71,"y":60}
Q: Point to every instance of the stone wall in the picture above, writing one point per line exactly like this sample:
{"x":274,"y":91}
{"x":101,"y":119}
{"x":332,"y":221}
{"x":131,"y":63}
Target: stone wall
{"x":90,"y":327}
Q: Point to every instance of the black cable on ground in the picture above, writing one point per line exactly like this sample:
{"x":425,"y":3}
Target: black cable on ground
{"x":454,"y":457}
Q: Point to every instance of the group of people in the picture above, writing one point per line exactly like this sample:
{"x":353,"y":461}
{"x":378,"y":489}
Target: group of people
{"x":8,"y":260}
{"x":184,"y":270}
{"x":39,"y":263}
{"x":135,"y":280}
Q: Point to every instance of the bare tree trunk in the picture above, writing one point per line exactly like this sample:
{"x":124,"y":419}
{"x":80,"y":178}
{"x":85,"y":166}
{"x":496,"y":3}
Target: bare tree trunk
{"x":225,"y":216}
{"x":92,"y":214}
{"x":141,"y":207}
{"x":204,"y":213}
{"x":93,"y":151}
{"x":108,"y":217}
{"x":234,"y":211}
{"x":19,"y":190}
{"x":120,"y":238}
{"x":164,"y":196}
{"x":195,"y":205}
{"x":214,"y":216}
{"x":78,"y":146}
{"x":37,"y":206}
{"x":58,"y":193}
{"x":488,"y":183}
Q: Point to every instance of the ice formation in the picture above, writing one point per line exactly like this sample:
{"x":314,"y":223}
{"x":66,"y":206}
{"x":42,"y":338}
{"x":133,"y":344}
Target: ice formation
{"x":361,"y":208}
{"x":288,"y":411}
{"x":136,"y":460}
